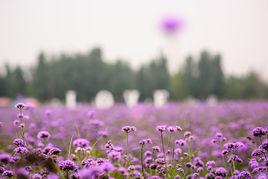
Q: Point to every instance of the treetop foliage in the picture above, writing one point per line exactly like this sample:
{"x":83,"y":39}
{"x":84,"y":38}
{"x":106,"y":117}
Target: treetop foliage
{"x":89,"y":73}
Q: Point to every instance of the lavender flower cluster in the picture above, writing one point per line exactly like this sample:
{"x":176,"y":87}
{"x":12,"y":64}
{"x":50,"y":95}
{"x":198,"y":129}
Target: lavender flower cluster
{"x":228,"y":140}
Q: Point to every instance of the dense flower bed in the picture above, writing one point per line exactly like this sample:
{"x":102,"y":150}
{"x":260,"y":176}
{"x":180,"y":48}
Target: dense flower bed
{"x":227,"y":140}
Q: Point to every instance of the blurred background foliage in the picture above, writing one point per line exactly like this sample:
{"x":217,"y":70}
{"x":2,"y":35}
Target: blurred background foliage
{"x":89,"y":73}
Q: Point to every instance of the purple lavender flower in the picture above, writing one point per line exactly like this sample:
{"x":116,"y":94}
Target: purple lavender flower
{"x":171,"y":129}
{"x":36,"y":176}
{"x":156,"y":149}
{"x":54,"y":151}
{"x":20,"y":106}
{"x":93,"y":172}
{"x":235,"y":146}
{"x":18,"y":142}
{"x":21,"y":150}
{"x":153,"y":166}
{"x":198,"y":162}
{"x":145,"y":141}
{"x":189,"y":164}
{"x":107,"y":167}
{"x":67,"y":165}
{"x":115,"y":155}
{"x":148,"y":160}
{"x":210,"y":165}
{"x":180,"y":142}
{"x":8,"y":173}
{"x":82,"y":143}
{"x":210,"y":176}
{"x":16,"y":122}
{"x":258,"y":132}
{"x":103,"y":133}
{"x":259,"y":170}
{"x":179,"y":129}
{"x":187,"y":134}
{"x":129,"y":129}
{"x":219,"y":135}
{"x":177,"y":177}
{"x":96,"y":123}
{"x":52,"y":176}
{"x":192,"y":176}
{"x":234,"y":158}
{"x":258,"y":152}
{"x":225,"y":152}
{"x":148,"y":153}
{"x":91,"y":114}
{"x":220,"y":171}
{"x":5,"y":158}
{"x":43,"y":135}
{"x":28,"y":168}
{"x":262,"y":176}
{"x":48,"y":112}
{"x":240,"y":146}
{"x":160,"y":161}
{"x":118,"y":149}
{"x":122,"y":170}
{"x":253,"y":163}
{"x":244,"y":175}
{"x":161,"y":128}
{"x":136,"y":174}
{"x":154,"y":177}
{"x":2,"y":169}
{"x":229,"y":146}
{"x":177,"y":151}
{"x":131,"y":168}
{"x":264,"y":145}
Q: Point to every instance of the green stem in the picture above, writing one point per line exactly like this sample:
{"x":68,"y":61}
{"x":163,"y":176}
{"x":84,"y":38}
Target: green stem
{"x":189,"y":152}
{"x":70,"y":146}
{"x":173,"y":153}
{"x":127,"y":159}
{"x":142,"y":168}
{"x":67,"y":175}
{"x":163,"y":148}
{"x":233,"y":165}
{"x":98,"y":139}
{"x":127,"y":145}
{"x":77,"y":129}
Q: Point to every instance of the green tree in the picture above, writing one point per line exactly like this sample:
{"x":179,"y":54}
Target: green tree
{"x":14,"y":82}
{"x":177,"y":87}
{"x":41,"y":77}
{"x":120,"y":78}
{"x":189,"y":75}
{"x":153,"y":76}
{"x":2,"y":86}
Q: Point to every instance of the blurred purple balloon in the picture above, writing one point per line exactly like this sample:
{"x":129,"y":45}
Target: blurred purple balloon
{"x":171,"y":25}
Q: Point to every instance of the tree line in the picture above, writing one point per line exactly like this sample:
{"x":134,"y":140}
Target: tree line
{"x":88,"y":73}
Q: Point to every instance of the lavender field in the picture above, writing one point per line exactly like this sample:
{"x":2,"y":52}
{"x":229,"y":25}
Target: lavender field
{"x":227,"y":140}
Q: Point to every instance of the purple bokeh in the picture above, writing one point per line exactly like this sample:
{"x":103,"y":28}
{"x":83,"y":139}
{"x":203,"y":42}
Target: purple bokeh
{"x":171,"y":25}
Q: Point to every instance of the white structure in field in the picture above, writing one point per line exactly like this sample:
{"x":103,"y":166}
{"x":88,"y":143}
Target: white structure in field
{"x":191,"y":101}
{"x":70,"y":99}
{"x":131,"y":97}
{"x":104,"y":99}
{"x":160,"y":97}
{"x":212,"y":100}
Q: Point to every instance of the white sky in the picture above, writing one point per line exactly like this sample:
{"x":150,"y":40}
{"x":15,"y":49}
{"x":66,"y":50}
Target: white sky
{"x":129,"y":29}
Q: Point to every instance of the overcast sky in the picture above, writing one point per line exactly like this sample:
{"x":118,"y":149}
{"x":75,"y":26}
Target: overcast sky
{"x":129,"y":29}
